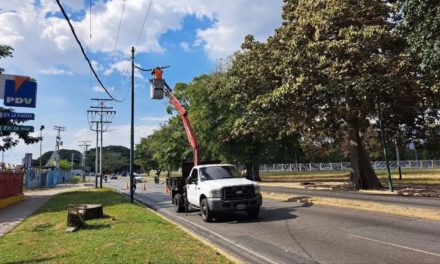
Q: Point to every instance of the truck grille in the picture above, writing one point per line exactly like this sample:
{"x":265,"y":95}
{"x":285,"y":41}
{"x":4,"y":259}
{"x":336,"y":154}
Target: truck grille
{"x":238,"y":192}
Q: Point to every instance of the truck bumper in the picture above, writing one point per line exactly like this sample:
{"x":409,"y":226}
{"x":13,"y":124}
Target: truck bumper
{"x":217,"y":204}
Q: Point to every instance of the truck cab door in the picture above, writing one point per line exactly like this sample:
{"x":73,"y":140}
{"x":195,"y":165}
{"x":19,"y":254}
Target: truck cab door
{"x":193,"y":188}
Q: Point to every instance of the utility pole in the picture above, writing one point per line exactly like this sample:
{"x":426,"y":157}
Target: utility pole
{"x":96,"y":150}
{"x":133,"y":66}
{"x":71,"y":162}
{"x":41,"y":151}
{"x":132,"y":127}
{"x":84,"y":143}
{"x":100,"y":115}
{"x":58,"y":143}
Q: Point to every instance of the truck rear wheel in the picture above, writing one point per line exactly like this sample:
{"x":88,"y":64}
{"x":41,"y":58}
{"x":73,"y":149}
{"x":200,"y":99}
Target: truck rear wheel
{"x":178,"y":203}
{"x":207,"y":214}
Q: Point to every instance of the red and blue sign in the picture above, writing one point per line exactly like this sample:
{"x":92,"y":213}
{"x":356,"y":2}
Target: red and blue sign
{"x":20,"y":92}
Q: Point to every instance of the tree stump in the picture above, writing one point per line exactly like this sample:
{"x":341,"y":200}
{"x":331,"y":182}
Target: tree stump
{"x":93,"y":211}
{"x":75,"y":215}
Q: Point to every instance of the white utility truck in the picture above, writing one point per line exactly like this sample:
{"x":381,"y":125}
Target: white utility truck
{"x":213,"y":188}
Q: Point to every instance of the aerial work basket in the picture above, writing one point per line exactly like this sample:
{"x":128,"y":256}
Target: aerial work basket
{"x":157,"y":84}
{"x":156,"y":89}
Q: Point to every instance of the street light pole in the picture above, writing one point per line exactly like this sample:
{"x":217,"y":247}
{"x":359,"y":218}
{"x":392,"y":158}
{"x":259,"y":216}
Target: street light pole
{"x":384,"y":146}
{"x":132,"y":127}
{"x":398,"y":159}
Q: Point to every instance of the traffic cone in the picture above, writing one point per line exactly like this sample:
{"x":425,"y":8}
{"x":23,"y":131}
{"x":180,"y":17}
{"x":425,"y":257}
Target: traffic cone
{"x":165,"y":189}
{"x":126,"y":185}
{"x":145,"y":187}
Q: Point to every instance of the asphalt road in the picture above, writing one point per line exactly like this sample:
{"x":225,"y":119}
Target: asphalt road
{"x":286,"y":232}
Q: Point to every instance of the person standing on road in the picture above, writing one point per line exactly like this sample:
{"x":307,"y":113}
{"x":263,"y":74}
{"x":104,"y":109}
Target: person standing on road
{"x":134,"y":184}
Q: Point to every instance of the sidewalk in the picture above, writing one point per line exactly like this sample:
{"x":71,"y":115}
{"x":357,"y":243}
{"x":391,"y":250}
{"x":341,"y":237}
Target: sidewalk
{"x":12,"y":215}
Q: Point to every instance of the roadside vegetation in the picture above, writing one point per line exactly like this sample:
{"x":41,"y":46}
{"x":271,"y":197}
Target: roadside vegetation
{"x":315,"y":90}
{"x":409,"y":176}
{"x":129,"y":234}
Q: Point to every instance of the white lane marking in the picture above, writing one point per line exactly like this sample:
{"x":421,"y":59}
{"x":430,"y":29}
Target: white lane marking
{"x":396,"y":245}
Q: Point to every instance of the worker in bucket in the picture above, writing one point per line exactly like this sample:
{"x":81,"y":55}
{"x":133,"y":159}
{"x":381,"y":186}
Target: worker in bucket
{"x":157,"y":73}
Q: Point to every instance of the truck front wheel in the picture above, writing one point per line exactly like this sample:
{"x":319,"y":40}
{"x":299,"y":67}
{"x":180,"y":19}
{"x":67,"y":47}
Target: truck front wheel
{"x":253,"y":212}
{"x":207,"y":214}
{"x":178,"y":203}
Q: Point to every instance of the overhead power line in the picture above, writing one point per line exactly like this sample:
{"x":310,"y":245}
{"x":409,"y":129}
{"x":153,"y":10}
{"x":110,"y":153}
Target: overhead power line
{"x":125,"y":72}
{"x":119,"y":28}
{"x":84,"y":53}
{"x":143,"y":24}
{"x":90,"y":20}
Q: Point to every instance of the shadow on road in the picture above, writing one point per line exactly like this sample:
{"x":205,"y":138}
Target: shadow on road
{"x":267,"y":214}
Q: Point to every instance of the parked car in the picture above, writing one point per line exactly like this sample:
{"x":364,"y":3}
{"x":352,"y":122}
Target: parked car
{"x":114,"y":177}
{"x":137,"y":178}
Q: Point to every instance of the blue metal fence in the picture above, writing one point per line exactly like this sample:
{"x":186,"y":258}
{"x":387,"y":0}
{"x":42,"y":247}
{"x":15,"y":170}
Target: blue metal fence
{"x":45,"y":178}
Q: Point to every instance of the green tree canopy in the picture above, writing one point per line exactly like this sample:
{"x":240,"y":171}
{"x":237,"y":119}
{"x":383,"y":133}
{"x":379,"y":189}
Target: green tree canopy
{"x":323,"y":74}
{"x":5,"y":51}
{"x":64,"y":164}
{"x":421,"y":27}
{"x":114,"y":159}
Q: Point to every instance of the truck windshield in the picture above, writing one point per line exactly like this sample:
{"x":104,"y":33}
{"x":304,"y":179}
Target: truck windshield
{"x":218,"y":172}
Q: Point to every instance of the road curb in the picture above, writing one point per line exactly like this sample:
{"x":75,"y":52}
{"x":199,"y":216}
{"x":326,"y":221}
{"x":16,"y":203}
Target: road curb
{"x":11,"y":200}
{"x":392,"y":209}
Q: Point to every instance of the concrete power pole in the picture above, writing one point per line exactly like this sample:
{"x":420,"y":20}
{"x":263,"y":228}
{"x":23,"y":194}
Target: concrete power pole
{"x":102,"y":117}
{"x":85,"y":145}
{"x":58,"y":143}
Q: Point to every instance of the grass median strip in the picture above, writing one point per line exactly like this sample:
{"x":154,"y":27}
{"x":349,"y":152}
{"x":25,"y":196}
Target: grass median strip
{"x":130,"y":234}
{"x":360,"y":205}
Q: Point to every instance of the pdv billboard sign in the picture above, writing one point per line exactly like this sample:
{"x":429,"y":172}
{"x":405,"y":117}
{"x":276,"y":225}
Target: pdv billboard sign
{"x":20,"y":92}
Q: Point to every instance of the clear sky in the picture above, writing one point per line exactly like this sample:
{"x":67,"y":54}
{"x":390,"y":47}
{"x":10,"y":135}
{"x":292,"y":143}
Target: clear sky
{"x":188,"y":35}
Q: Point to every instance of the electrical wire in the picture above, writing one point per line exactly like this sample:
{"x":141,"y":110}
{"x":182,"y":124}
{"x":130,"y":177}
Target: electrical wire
{"x":114,"y":52}
{"x":143,"y":24}
{"x":90,"y":37}
{"x":84,"y":53}
{"x":119,"y":28}
{"x":137,"y":42}
{"x":90,"y":20}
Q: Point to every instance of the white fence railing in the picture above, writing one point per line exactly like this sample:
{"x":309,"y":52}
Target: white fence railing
{"x":341,"y":166}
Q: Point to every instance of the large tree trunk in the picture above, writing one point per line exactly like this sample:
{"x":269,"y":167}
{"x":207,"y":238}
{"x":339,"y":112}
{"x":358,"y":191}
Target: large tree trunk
{"x":253,"y":171}
{"x":256,"y":171}
{"x":362,"y":175}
